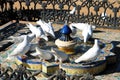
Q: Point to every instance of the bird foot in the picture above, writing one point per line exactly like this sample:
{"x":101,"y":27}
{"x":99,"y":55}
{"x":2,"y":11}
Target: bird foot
{"x":23,"y":57}
{"x":57,"y":61}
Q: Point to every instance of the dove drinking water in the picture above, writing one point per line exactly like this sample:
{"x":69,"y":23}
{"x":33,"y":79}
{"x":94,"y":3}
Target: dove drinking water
{"x":87,"y":33}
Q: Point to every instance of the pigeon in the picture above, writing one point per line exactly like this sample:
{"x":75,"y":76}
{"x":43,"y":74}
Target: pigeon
{"x":59,"y":55}
{"x":81,"y":26}
{"x":47,"y":28}
{"x":20,"y":50}
{"x":43,"y":54}
{"x":87,"y":33}
{"x":19,"y":39}
{"x":39,"y":33}
{"x":91,"y":54}
{"x":104,"y":15}
{"x":33,"y":46}
{"x":73,"y":10}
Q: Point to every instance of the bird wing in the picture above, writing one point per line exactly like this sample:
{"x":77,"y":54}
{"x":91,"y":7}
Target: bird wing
{"x":43,"y":53}
{"x":51,"y":29}
{"x":21,"y":48}
{"x":47,"y":27}
{"x":35,"y":54}
{"x":90,"y":31}
{"x":73,"y":10}
{"x":17,"y":39}
{"x":85,"y":57}
{"x":90,"y":55}
{"x":31,"y":37}
{"x":85,"y":34}
{"x":41,"y":34}
{"x":31,"y":27}
{"x":60,"y":54}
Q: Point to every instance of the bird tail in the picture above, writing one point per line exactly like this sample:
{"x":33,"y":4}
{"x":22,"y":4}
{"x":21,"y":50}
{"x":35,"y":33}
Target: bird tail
{"x":34,"y":54}
{"x":44,"y":37}
{"x":54,"y":52}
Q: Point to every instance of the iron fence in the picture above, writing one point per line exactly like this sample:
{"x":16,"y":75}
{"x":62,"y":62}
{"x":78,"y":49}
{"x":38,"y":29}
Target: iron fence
{"x":87,"y":11}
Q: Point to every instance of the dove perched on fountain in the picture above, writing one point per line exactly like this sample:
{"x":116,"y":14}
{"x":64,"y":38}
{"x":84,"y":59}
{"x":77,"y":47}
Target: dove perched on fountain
{"x":91,"y":54}
{"x":43,"y":54}
{"x":59,"y":55}
{"x":73,"y":10}
{"x":87,"y":33}
{"x":47,"y":27}
{"x":80,"y":26}
{"x":19,"y":39}
{"x":39,"y":33}
{"x":20,"y":50}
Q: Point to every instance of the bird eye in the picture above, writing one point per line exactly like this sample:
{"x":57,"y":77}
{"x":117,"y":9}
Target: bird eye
{"x":74,"y":27}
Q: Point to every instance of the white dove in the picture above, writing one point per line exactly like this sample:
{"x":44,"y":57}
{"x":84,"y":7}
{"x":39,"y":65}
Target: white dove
{"x":73,"y":10}
{"x":39,"y":33}
{"x":87,"y":33}
{"x":81,"y":26}
{"x":47,"y":27}
{"x":43,"y":54}
{"x":59,"y":55}
{"x":91,"y":54}
{"x":19,"y":39}
{"x":21,"y":49}
{"x":104,"y":15}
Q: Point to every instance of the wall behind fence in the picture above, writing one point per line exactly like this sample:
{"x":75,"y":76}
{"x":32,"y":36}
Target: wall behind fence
{"x":87,"y":11}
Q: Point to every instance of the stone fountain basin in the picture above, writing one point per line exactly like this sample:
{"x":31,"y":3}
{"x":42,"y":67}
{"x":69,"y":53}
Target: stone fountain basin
{"x":106,"y":57}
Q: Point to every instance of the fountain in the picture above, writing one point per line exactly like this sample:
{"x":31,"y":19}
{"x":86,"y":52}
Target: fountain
{"x":73,"y":50}
{"x":66,"y":43}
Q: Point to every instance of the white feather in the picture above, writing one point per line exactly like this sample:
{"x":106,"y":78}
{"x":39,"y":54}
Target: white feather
{"x":81,"y":26}
{"x":59,"y":55}
{"x":104,"y":15}
{"x":19,"y":39}
{"x":21,"y":48}
{"x":39,"y":33}
{"x":44,"y":54}
{"x":73,"y":10}
{"x":87,"y":33}
{"x":47,"y":27}
{"x":91,"y":54}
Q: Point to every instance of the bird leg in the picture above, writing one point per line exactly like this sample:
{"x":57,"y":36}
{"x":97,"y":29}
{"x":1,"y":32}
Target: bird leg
{"x":23,"y":56}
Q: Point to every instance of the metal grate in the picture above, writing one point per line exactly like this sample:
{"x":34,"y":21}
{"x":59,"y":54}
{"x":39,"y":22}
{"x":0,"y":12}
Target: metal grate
{"x":87,"y":11}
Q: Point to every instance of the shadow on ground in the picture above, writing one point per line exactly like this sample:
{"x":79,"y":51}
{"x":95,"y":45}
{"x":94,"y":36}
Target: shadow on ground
{"x":115,"y":67}
{"x":98,"y":31}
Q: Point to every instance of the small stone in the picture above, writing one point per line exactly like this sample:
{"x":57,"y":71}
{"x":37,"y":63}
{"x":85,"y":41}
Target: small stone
{"x":98,"y":77}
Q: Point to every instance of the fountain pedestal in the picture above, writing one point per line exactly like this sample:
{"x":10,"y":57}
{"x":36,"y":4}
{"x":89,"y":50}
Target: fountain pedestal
{"x":66,"y":46}
{"x":66,"y":43}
